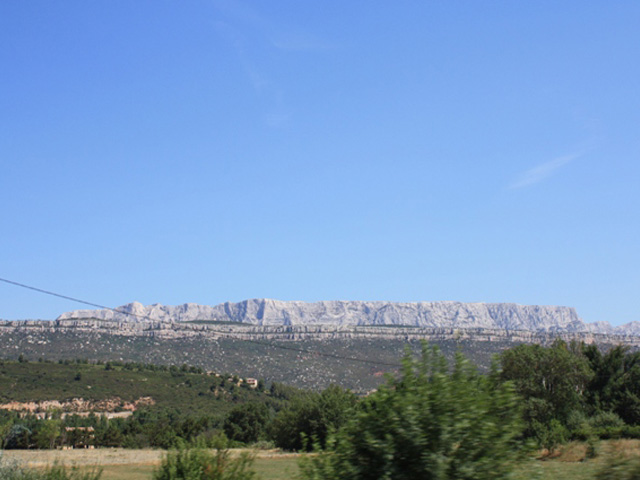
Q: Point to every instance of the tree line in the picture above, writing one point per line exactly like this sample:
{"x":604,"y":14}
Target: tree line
{"x":565,"y":391}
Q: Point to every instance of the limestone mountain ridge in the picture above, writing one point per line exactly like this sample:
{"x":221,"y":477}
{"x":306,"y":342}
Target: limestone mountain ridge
{"x":340,"y":313}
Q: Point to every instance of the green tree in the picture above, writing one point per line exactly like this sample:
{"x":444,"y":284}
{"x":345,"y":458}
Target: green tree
{"x":310,"y":419}
{"x":430,"y":423}
{"x":48,"y":432}
{"x":247,"y":422}
{"x":18,"y":437}
{"x":551,"y":380}
{"x":110,"y":436}
{"x":615,"y":386}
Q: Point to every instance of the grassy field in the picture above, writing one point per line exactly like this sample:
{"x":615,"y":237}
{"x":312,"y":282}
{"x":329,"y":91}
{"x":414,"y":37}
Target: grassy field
{"x":123,"y":464}
{"x":119,"y":464}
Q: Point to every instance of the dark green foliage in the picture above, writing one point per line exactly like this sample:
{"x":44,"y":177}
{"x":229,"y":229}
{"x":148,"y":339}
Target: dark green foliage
{"x":616,"y":382}
{"x":549,"y":435}
{"x":605,"y":420}
{"x":311,"y":418}
{"x":552,"y":381}
{"x":18,"y":437}
{"x":247,"y":423}
{"x":47,"y":434}
{"x":431,"y":423}
{"x":576,"y":391}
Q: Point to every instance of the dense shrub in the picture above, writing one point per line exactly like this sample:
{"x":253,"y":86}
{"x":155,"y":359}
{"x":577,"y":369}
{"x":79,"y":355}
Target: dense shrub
{"x":312,"y":418}
{"x":430,"y":423}
{"x":200,"y":464}
{"x":606,"y":420}
{"x":247,"y":422}
{"x":550,"y":435}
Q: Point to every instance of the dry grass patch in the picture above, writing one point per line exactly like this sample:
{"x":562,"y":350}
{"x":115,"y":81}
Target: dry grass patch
{"x":625,"y":448}
{"x":124,"y":464}
{"x":571,"y":452}
{"x":82,"y":457}
{"x":127,"y":472}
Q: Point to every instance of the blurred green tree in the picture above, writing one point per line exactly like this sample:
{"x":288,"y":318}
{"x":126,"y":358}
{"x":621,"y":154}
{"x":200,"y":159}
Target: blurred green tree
{"x":430,"y":423}
{"x":311,"y":418}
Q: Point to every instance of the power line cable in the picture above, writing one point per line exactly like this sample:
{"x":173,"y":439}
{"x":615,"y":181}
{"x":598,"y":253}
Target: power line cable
{"x":219,"y":332}
{"x":77,"y":300}
{"x":256,"y":342}
{"x":146,"y":317}
{"x":321,"y":354}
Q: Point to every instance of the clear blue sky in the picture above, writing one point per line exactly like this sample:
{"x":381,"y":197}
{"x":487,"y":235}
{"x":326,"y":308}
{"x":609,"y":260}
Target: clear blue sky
{"x":203,"y":151}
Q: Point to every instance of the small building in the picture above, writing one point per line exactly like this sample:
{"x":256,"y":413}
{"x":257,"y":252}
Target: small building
{"x":251,"y":382}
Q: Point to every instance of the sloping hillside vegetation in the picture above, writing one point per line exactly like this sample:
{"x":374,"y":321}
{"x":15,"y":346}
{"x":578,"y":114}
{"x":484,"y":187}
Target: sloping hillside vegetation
{"x":115,"y":404}
{"x":76,"y":403}
{"x":313,"y":364}
{"x":168,"y":386}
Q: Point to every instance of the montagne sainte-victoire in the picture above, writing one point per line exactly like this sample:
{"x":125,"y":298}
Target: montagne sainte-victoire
{"x":268,"y":312}
{"x":351,"y":343}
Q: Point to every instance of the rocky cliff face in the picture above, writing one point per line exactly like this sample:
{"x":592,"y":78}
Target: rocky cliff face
{"x":424,"y":314}
{"x":266,"y":312}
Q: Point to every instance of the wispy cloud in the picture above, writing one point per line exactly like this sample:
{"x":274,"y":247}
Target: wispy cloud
{"x":250,"y":34}
{"x":277,"y":35}
{"x":237,"y":41}
{"x":542,"y":171}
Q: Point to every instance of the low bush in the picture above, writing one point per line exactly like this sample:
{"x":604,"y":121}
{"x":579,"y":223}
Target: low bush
{"x":551,"y":435}
{"x":196,"y":463}
{"x":606,"y":420}
{"x":13,"y":471}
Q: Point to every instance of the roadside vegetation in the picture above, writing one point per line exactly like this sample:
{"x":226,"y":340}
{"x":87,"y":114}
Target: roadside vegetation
{"x":575,"y":391}
{"x":432,"y":421}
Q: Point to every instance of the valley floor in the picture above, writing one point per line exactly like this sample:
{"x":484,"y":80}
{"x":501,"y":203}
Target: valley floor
{"x":120,"y":464}
{"x":126,"y":464}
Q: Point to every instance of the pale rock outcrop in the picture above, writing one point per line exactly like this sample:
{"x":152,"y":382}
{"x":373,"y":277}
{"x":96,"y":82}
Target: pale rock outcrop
{"x":268,"y":312}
